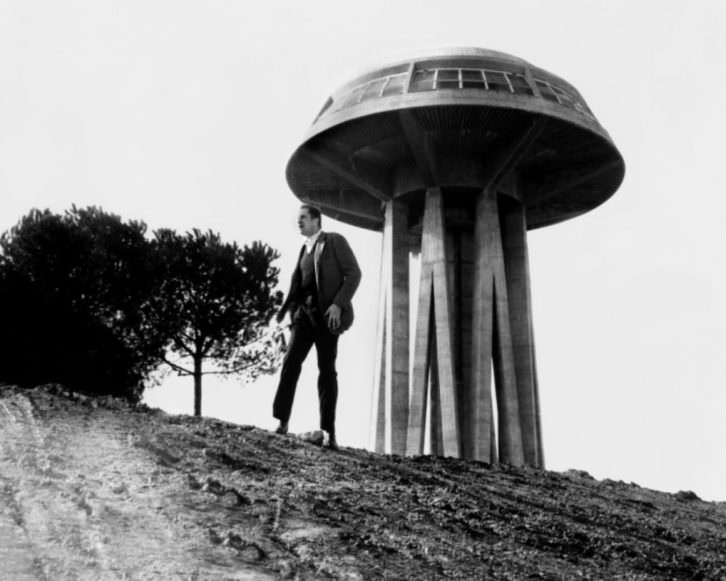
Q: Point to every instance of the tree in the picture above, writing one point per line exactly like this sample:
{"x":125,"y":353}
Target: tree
{"x":218,"y":300}
{"x":74,"y":302}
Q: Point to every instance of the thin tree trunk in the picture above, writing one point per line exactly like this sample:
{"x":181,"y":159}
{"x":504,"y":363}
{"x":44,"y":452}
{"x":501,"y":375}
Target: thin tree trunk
{"x":197,"y":386}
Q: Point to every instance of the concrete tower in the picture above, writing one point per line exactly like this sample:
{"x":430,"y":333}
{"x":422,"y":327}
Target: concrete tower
{"x":454,"y":155}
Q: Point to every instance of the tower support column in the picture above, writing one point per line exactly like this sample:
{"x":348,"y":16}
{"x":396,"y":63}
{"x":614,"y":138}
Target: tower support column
{"x":492,"y":341}
{"x":433,"y":364}
{"x":391,"y":392}
{"x":516,"y":260}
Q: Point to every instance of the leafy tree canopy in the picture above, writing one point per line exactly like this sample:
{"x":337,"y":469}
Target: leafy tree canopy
{"x":88,"y":300}
{"x":217,"y":299}
{"x":74,"y":291}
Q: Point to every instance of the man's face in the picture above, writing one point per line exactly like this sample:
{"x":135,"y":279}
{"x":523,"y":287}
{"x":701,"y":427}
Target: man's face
{"x":308,"y":225}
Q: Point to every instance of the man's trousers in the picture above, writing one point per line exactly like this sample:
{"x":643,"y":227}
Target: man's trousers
{"x":308,"y":329}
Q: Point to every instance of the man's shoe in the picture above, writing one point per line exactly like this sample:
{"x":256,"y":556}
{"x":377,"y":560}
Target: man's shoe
{"x":282,"y":428}
{"x":330,"y":442}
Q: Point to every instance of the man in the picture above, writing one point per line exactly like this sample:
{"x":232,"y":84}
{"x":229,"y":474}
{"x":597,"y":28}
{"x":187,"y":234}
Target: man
{"x":319,"y":303}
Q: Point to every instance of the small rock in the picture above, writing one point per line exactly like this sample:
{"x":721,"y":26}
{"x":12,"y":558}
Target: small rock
{"x":214,"y":537}
{"x":304,"y":533}
{"x":120,"y":488}
{"x":214,"y":486}
{"x":285,"y":569}
{"x":231,"y":497}
{"x":303,"y":551}
{"x":610,"y":483}
{"x":239,"y":498}
{"x":315,"y":437}
{"x":252,"y":553}
{"x":579,"y":474}
{"x":247,"y":550}
{"x":686,"y":496}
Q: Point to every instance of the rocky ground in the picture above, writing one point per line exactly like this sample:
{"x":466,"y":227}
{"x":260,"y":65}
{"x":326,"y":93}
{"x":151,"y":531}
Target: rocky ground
{"x":98,"y":489}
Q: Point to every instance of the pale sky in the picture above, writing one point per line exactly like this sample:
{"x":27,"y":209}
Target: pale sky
{"x":184,"y":114}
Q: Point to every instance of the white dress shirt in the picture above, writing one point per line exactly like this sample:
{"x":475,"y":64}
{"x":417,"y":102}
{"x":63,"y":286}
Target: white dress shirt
{"x":310,"y":241}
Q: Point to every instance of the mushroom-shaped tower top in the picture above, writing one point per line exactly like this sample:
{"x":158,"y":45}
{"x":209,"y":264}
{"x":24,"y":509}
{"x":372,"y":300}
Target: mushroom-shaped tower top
{"x":457,"y":118}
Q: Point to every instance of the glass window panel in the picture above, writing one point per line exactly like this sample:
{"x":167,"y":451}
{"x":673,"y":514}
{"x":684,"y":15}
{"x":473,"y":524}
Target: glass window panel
{"x":448,"y":74}
{"x":396,"y":85}
{"x":352,"y":98}
{"x":448,"y":84}
{"x":471,"y":75}
{"x":472,"y":79}
{"x":423,"y":80}
{"x":373,"y":89}
{"x":547,"y":91}
{"x":497,"y":81}
{"x":565,"y":97}
{"x":422,"y":85}
{"x":520,"y":84}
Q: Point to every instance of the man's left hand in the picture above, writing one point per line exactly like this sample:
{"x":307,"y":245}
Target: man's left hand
{"x":333,"y":317}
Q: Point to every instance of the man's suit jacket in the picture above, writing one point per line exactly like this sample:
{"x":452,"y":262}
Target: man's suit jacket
{"x":336,"y":277}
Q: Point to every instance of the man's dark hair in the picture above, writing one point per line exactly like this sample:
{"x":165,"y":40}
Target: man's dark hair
{"x":313,"y":212}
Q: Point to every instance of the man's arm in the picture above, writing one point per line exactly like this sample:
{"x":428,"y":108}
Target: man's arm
{"x":291,"y":294}
{"x":349,"y":267}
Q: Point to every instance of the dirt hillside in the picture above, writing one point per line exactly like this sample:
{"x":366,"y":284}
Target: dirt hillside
{"x":98,"y":489}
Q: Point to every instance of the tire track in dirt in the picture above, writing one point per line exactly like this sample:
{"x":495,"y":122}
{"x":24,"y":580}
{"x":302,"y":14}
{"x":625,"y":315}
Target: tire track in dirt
{"x":91,"y":502}
{"x":50,"y":510}
{"x":16,"y":550}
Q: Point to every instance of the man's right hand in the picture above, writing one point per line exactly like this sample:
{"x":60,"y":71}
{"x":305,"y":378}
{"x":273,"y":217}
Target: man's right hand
{"x":332,"y":315}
